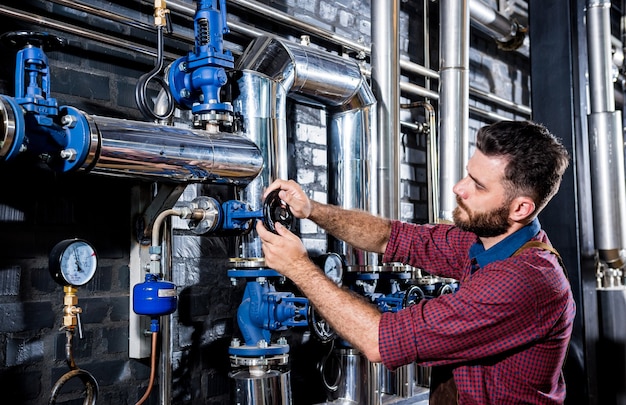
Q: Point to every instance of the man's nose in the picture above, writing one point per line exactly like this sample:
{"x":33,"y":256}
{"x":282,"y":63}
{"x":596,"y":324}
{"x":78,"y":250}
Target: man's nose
{"x":460,"y":189}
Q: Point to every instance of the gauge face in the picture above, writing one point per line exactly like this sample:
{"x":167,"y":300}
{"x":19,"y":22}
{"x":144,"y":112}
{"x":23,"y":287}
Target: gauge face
{"x":73,"y":262}
{"x":333,"y":267}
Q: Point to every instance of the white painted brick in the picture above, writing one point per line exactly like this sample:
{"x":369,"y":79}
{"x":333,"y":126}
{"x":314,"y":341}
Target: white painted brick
{"x":306,"y":177}
{"x":308,"y":227}
{"x":319,"y":157}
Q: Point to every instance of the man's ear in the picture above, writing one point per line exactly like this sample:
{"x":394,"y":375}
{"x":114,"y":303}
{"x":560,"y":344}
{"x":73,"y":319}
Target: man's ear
{"x":521,"y":208}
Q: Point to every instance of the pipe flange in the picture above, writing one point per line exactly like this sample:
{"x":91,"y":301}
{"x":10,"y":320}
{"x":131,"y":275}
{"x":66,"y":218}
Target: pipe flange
{"x":11,"y":128}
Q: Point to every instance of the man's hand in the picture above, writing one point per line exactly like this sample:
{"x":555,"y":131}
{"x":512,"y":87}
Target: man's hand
{"x":292,"y":194}
{"x":284,"y":252}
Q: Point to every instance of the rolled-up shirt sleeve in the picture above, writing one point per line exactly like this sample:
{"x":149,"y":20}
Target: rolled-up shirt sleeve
{"x":396,"y":339}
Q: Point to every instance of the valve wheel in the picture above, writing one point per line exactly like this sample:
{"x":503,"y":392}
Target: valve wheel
{"x":276,"y":210}
{"x":19,"y":39}
{"x":412,"y":296}
{"x":320,"y":328}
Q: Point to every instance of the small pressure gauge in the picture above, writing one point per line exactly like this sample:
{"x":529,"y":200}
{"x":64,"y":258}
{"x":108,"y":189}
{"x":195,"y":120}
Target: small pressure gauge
{"x":73,"y":262}
{"x":332,"y":264}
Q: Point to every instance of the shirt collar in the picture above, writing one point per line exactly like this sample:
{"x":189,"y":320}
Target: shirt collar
{"x":506,"y":247}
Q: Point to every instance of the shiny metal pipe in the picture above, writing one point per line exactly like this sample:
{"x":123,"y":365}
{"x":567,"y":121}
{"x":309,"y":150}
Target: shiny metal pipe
{"x":599,"y":55}
{"x":351,"y":157}
{"x":606,"y":147}
{"x":493,"y":23}
{"x":333,"y":82}
{"x":385,"y":86}
{"x":606,"y":139}
{"x":262,"y":105}
{"x":453,"y":100}
{"x":152,"y":151}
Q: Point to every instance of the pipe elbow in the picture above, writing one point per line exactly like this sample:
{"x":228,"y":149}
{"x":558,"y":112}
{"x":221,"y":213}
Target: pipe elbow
{"x":516,"y":40}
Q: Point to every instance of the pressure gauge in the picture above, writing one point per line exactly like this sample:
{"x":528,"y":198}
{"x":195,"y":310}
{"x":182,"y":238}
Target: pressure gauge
{"x":73,"y":262}
{"x":332,"y":264}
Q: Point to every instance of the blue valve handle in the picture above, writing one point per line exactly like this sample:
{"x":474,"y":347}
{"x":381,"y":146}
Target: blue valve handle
{"x":238,"y":216}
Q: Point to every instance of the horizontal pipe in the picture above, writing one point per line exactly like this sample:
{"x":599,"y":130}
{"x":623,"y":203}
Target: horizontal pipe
{"x":125,"y":148}
{"x":144,"y":149}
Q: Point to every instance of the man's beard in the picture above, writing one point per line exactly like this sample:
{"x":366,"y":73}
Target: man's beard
{"x":483,"y":224}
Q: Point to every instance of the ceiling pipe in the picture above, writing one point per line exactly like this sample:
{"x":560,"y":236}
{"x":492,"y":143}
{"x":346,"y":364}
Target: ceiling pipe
{"x":453,"y":100}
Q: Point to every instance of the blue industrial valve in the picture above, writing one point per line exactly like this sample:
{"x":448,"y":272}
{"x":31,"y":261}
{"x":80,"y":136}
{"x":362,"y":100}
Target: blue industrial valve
{"x":263,"y":310}
{"x":61,"y":136}
{"x":196,"y":79}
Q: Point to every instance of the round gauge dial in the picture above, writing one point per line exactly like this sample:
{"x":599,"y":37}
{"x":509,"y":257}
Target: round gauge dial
{"x":333,"y":267}
{"x":73,"y":262}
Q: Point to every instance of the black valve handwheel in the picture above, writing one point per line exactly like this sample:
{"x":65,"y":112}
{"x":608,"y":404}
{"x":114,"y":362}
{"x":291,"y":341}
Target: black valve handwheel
{"x":20,"y":39}
{"x":319,"y":327}
{"x":445,"y":289}
{"x":276,"y":210}
{"x":412,"y":296}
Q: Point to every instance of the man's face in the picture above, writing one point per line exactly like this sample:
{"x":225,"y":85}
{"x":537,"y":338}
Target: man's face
{"x":483,"y":207}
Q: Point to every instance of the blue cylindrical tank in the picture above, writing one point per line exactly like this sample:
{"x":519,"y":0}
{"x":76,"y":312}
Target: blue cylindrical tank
{"x":154,"y":297}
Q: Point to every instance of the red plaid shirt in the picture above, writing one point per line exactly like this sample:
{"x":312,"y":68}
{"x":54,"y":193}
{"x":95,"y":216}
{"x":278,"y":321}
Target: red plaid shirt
{"x":507,"y":328}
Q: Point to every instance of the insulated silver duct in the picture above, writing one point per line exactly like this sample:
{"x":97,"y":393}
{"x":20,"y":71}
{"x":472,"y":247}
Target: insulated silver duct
{"x":453,"y":100}
{"x":315,"y":76}
{"x":262,"y":105}
{"x":142,"y":149}
{"x":606,"y":140}
{"x":119,"y":147}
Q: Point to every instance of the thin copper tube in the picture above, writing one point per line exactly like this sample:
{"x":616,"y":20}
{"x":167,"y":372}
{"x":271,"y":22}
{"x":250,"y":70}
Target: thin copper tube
{"x":152,"y":369}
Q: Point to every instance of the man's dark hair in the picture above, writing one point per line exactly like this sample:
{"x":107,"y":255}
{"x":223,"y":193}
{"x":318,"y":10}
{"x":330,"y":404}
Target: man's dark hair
{"x":536,"y":158}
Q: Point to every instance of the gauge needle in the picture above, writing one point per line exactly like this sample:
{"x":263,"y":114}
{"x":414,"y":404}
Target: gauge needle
{"x":77,"y":261}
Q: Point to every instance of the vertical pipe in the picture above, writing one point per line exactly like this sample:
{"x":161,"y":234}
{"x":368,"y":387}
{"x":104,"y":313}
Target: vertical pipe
{"x":350,"y":180}
{"x":262,"y":104}
{"x":386,"y":89}
{"x":453,"y":100}
{"x":606,"y":139}
{"x":167,"y":349}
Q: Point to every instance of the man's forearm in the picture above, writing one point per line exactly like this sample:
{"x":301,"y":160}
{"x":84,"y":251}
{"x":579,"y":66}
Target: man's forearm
{"x":358,"y":228}
{"x":350,"y":315}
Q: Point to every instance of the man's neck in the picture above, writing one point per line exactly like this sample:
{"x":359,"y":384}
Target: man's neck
{"x":493,"y":240}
